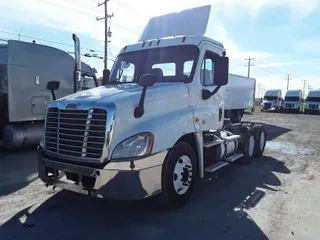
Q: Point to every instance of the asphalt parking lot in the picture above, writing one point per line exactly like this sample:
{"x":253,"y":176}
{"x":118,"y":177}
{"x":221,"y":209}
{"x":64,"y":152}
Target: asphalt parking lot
{"x":276,"y":197}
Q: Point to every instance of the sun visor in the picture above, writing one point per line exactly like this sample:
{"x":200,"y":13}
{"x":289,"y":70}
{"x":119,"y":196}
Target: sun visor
{"x":192,"y":21}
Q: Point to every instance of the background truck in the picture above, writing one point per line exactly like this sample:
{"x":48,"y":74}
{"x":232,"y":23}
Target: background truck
{"x":239,"y":95}
{"x":293,"y":101}
{"x":25,"y":70}
{"x":153,"y":131}
{"x":312,"y":102}
{"x":272,"y":100}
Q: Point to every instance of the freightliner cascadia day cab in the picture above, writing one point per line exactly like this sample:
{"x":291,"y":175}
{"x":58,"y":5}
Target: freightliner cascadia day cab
{"x":312,"y":102}
{"x":149,"y":131}
{"x":239,"y":95}
{"x":293,"y":101}
{"x":272,"y":100}
{"x":25,"y":70}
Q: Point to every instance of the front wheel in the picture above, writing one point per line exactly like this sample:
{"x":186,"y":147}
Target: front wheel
{"x":179,"y":175}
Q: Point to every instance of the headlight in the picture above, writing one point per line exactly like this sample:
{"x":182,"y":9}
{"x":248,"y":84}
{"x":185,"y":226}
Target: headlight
{"x":136,"y":146}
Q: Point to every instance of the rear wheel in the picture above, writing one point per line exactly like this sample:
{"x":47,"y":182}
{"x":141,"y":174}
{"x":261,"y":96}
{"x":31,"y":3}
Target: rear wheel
{"x":246,"y":145}
{"x":179,"y":175}
{"x":260,"y":139}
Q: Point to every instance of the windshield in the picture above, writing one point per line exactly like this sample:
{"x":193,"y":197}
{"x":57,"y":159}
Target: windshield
{"x":292,"y":99}
{"x":270,"y":98}
{"x":175,"y":63}
{"x":313,"y":99}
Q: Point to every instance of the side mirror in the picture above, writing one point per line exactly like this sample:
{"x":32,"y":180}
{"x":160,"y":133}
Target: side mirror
{"x":94,"y":70}
{"x":53,"y":86}
{"x":221,"y":71}
{"x":147,"y":79}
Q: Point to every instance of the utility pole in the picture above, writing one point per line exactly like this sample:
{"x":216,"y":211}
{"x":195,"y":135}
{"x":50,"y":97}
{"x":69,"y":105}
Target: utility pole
{"x":107,"y":33}
{"x":249,"y":64}
{"x":304,"y":87}
{"x":288,"y":80}
{"x":19,"y":33}
{"x":254,"y":93}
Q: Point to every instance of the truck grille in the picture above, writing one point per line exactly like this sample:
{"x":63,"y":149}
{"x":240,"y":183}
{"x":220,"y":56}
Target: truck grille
{"x":313,"y":106}
{"x":77,"y":133}
{"x":267,"y":105}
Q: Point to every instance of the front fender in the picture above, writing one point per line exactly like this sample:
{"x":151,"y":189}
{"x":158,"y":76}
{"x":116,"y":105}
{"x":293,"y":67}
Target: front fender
{"x":167,"y":122}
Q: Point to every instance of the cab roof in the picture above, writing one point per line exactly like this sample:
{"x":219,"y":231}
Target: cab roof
{"x":187,"y":27}
{"x":170,"y":41}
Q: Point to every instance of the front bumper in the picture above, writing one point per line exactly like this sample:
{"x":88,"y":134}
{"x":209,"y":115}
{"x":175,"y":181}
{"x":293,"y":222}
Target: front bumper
{"x":127,"y":180}
{"x":290,"y":108}
{"x":263,"y":108}
{"x":311,"y":110}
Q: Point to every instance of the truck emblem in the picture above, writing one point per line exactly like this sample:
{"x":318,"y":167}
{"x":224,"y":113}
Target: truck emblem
{"x":72,"y":105}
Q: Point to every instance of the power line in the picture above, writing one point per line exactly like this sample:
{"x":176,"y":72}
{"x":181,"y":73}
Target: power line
{"x":266,"y":70}
{"x":79,"y":3}
{"x":124,"y":5}
{"x":70,"y":9}
{"x":49,"y":41}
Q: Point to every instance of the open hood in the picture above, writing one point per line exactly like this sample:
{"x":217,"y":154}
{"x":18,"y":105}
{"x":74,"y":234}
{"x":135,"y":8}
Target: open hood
{"x":192,"y":21}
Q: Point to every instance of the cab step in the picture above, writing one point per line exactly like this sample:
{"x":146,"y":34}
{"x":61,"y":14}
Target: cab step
{"x":234,"y":157}
{"x":214,"y":167}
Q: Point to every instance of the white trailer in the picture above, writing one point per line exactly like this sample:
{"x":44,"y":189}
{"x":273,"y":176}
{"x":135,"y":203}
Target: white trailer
{"x":149,"y":130}
{"x":239,"y":95}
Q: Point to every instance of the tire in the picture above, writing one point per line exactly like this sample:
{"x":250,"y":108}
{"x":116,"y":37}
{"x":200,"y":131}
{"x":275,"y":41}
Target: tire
{"x":182,"y":152}
{"x":260,"y":139}
{"x":246,"y":145}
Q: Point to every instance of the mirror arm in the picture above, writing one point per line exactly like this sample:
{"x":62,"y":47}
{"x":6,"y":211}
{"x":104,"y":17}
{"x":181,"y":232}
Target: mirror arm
{"x":215,"y":90}
{"x":95,"y":80}
{"x":206,"y":94}
{"x":53,"y":95}
{"x":139,"y":110}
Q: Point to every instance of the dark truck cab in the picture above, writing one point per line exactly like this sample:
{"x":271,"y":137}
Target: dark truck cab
{"x":25,"y":70}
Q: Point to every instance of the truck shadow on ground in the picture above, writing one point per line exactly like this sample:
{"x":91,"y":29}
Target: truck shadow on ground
{"x":272,"y":130}
{"x":17,"y":169}
{"x":217,"y":209}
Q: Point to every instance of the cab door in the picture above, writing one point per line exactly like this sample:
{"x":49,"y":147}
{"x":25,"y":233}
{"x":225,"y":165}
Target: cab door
{"x":209,"y":111}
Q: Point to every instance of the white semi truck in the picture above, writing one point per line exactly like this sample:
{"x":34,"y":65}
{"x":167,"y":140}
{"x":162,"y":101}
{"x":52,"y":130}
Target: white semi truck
{"x":149,"y":130}
{"x":293,"y":101}
{"x":272,"y":100}
{"x":312,"y":102}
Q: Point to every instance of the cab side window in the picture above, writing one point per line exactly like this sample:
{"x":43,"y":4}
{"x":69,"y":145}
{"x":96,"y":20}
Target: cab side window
{"x":207,"y":70}
{"x":88,"y":82}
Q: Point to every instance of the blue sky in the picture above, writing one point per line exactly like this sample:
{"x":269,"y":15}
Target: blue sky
{"x":282,"y":36}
